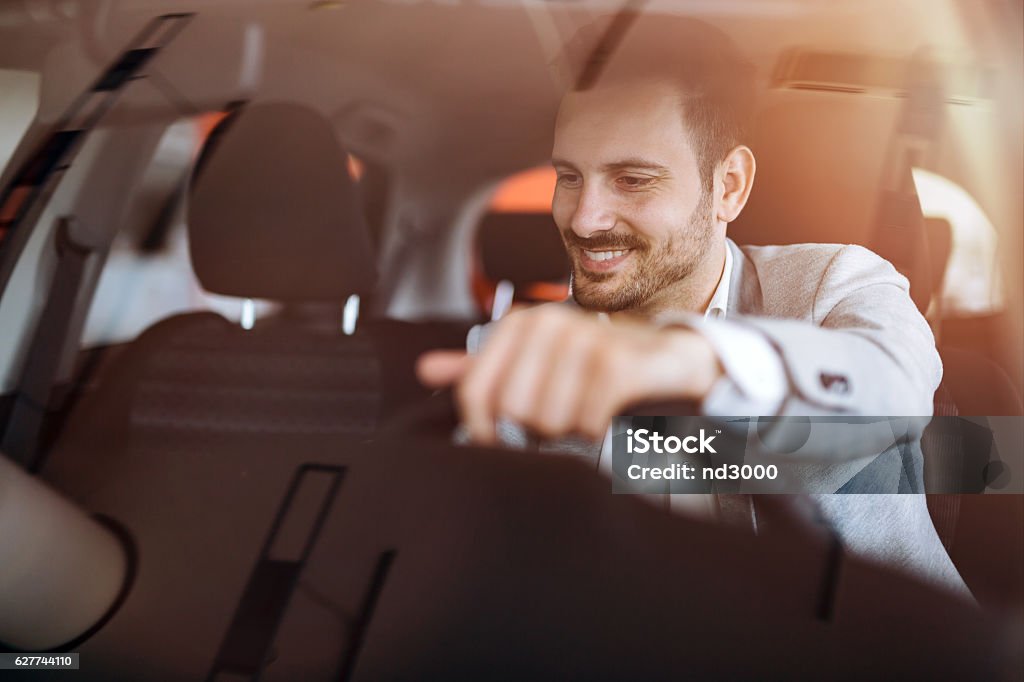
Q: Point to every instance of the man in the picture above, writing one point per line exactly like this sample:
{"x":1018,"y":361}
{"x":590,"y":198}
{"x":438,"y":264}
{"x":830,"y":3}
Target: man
{"x":651,"y":169}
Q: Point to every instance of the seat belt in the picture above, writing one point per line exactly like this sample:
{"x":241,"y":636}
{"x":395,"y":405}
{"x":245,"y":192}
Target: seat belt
{"x":33,"y":399}
{"x":22,"y":203}
{"x":899,"y":234}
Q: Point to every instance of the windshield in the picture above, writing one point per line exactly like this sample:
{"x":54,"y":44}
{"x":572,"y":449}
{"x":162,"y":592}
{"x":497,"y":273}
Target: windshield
{"x":429,"y":339}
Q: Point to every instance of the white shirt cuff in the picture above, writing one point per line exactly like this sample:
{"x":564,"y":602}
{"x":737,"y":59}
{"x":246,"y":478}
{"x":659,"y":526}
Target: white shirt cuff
{"x":755,"y":382}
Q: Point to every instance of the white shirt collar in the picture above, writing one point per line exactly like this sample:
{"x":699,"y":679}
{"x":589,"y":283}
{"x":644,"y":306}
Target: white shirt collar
{"x":718,"y":307}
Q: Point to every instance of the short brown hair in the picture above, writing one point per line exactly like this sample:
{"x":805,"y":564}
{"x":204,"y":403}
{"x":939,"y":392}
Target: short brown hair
{"x":716,"y":83}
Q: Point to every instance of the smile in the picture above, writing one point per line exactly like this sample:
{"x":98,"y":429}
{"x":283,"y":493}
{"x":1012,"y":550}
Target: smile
{"x":602,"y":261}
{"x":604,"y":255}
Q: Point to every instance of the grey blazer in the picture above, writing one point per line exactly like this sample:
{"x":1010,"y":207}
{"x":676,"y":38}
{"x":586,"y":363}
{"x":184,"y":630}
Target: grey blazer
{"x":851,"y":339}
{"x":851,"y":342}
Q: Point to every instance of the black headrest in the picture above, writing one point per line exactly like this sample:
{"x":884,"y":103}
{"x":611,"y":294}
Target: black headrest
{"x":522,"y":248}
{"x":273,"y":212}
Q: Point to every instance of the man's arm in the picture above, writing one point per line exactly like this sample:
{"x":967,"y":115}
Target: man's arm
{"x":559,"y":372}
{"x":867,"y":350}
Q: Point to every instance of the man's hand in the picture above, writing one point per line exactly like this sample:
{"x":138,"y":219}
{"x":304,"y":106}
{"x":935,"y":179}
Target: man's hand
{"x":558,"y":371}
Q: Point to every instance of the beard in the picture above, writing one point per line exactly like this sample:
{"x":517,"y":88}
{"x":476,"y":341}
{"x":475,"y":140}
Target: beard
{"x":654,"y":268}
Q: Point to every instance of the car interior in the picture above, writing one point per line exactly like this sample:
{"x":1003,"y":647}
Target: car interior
{"x":229,"y":229}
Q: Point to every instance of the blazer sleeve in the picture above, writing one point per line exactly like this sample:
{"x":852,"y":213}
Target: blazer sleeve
{"x":868,"y":351}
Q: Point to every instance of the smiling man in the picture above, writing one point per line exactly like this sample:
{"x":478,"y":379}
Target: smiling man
{"x":635,"y":207}
{"x":652,"y":168}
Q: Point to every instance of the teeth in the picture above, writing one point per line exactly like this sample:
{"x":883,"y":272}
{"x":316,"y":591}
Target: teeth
{"x":604,"y":255}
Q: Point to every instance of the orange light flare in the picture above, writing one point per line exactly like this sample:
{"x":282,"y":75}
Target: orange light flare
{"x":526,"y":192}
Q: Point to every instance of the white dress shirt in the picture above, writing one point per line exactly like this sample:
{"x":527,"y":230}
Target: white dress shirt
{"x":754,"y":382}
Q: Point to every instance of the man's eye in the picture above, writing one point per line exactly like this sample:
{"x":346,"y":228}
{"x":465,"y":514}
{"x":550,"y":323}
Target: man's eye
{"x":569,"y":180}
{"x":633,"y":181}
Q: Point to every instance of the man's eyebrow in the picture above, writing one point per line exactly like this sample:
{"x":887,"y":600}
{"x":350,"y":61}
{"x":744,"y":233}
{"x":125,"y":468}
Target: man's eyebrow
{"x":638,"y":163}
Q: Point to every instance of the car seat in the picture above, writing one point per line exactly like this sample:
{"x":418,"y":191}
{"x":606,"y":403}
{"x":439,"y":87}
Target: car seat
{"x":272,"y":214}
{"x":823,"y":164}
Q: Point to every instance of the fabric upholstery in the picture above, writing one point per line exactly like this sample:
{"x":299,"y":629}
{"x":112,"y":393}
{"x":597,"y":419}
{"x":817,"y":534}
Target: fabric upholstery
{"x":273,"y":213}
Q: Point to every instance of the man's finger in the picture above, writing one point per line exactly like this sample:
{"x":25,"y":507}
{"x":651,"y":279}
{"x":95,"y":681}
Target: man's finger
{"x":566,"y":388}
{"x":442,"y":368}
{"x":604,"y":394}
{"x":519,"y":396}
{"x":476,"y":393}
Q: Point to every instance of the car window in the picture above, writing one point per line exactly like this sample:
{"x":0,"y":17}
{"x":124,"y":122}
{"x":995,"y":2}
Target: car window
{"x":138,"y":289}
{"x":17,"y":108}
{"x":148,"y":273}
{"x":448,"y":110}
{"x":972,"y":283}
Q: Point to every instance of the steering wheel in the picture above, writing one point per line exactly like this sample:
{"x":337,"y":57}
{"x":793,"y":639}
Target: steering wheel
{"x":437,"y":417}
{"x":434,"y":418}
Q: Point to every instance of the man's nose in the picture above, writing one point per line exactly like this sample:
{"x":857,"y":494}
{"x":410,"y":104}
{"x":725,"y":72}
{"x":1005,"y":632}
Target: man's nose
{"x":593,"y":213}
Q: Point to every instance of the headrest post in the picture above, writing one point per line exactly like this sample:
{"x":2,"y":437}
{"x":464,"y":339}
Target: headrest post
{"x":503,"y":296}
{"x":350,"y":315}
{"x":248,"y":317}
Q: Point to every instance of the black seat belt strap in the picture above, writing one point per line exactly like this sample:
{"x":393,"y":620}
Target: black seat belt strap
{"x":22,"y":203}
{"x":21,"y":439}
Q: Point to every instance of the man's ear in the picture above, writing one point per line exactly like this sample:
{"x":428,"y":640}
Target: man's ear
{"x":737,"y":176}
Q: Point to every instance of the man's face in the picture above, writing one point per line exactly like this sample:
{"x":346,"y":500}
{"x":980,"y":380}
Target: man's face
{"x":629,"y":201}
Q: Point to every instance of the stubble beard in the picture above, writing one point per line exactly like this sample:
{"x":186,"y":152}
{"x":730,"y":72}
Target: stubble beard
{"x":653,"y":269}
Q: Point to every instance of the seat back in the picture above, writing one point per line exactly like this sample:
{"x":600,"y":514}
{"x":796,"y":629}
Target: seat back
{"x":272,"y":214}
{"x":824,"y":175}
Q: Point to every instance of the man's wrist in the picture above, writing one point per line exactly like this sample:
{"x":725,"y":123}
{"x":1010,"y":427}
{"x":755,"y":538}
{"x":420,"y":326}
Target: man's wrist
{"x":693,"y":360}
